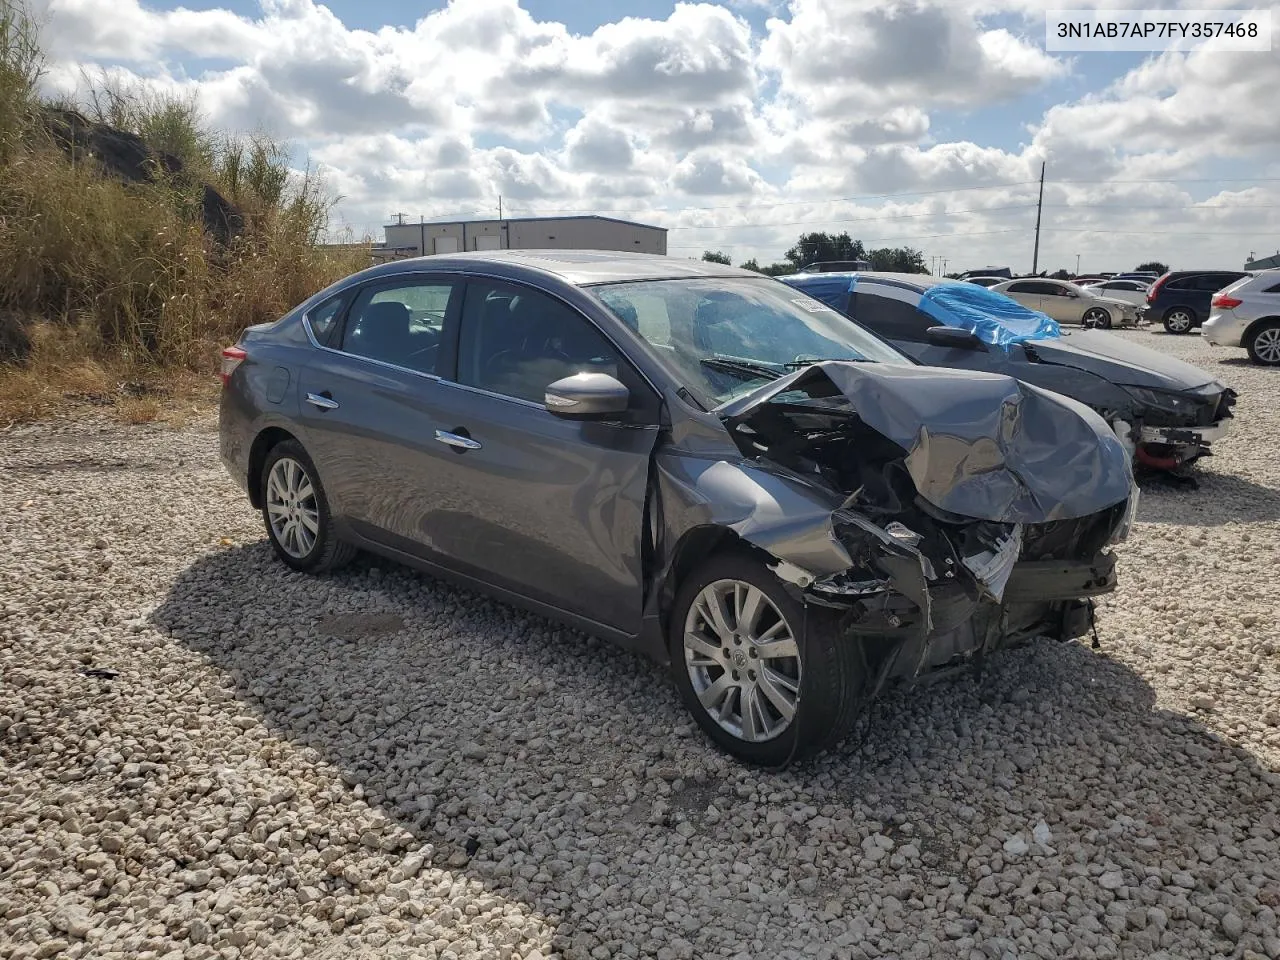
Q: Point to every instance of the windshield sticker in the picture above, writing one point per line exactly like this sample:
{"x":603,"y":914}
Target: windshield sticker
{"x":813,"y":306}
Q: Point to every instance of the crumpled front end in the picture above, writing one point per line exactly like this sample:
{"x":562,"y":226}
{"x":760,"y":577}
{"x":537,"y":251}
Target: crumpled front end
{"x":976,"y":511}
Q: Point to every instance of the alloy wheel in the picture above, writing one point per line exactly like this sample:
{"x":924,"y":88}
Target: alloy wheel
{"x":1266,"y":345}
{"x":743,"y":660}
{"x":1179,"y":321}
{"x":1097,"y":317}
{"x":292,"y":510}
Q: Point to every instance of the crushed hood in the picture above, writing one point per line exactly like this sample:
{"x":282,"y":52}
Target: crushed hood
{"x":979,"y":445}
{"x":1119,"y":361}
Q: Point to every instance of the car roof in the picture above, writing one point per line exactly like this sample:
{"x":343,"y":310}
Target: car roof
{"x":918,"y":281}
{"x":578,"y":267}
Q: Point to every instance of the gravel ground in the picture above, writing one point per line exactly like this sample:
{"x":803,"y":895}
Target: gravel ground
{"x":378,"y":765}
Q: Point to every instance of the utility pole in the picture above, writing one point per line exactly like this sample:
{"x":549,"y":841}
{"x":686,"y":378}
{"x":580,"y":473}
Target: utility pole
{"x":499,"y":206}
{"x":1077,"y":264}
{"x":1035,"y":256}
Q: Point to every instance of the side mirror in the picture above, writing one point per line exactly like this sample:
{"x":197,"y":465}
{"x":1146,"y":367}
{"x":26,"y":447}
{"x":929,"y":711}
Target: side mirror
{"x":957,"y":337}
{"x":587,"y":396}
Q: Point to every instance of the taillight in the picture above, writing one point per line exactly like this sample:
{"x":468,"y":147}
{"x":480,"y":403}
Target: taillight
{"x":1225,"y":302}
{"x":232,"y":357}
{"x":1155,"y":289}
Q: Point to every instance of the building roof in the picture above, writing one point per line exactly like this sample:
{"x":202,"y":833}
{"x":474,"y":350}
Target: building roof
{"x":1265,"y":263}
{"x":589,"y":216}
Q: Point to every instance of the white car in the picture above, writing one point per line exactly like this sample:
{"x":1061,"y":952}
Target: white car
{"x":1247,"y":314}
{"x":1069,"y":303}
{"x":1130,"y":291}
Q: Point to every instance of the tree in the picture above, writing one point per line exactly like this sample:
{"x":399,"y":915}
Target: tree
{"x":897,"y":260}
{"x":715,"y":256}
{"x":1060,"y":275}
{"x":824,"y":246}
{"x":769,"y":269}
{"x":1155,"y":265}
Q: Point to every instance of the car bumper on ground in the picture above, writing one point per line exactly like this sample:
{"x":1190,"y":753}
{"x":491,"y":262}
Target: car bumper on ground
{"x":1182,"y":436}
{"x":1223,"y":330}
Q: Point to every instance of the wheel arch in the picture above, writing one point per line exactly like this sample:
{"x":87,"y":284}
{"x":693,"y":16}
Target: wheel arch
{"x":695,"y":547}
{"x":263,"y":443}
{"x":1255,"y":326}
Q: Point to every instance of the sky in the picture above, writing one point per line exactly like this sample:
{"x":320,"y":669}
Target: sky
{"x":737,"y":125}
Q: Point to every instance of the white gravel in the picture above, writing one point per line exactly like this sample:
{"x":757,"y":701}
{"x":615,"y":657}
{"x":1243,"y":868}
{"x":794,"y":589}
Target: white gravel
{"x":285,"y":766}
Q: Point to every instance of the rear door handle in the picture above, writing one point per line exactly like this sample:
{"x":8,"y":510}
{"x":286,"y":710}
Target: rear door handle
{"x":456,"y":441}
{"x":321,"y":401}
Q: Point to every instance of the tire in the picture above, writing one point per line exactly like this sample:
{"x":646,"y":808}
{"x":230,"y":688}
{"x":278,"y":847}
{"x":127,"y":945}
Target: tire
{"x":1097,"y":317}
{"x":291,"y":489}
{"x":1264,"y":344}
{"x":1179,"y":320}
{"x":825,"y":681}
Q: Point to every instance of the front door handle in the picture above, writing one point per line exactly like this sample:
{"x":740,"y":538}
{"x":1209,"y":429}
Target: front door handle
{"x":322,"y":401}
{"x":456,"y":441}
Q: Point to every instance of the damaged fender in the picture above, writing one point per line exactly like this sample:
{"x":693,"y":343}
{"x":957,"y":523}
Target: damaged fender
{"x":903,"y":496}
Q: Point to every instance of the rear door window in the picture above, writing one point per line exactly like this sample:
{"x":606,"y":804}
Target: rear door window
{"x":1039,"y":287}
{"x":400,"y":324}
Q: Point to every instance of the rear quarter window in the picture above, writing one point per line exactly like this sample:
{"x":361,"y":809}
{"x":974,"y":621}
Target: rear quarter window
{"x":323,"y":318}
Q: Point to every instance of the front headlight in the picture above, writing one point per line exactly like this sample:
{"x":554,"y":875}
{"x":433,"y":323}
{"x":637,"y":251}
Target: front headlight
{"x":1121,"y":532}
{"x":1162,"y":400}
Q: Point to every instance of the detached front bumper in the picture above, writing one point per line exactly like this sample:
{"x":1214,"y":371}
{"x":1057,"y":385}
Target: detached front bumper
{"x":1184,"y":436}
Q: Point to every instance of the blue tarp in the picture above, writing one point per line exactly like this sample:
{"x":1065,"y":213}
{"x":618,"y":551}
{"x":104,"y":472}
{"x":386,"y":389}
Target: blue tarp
{"x":833,"y":289}
{"x":993,"y":317}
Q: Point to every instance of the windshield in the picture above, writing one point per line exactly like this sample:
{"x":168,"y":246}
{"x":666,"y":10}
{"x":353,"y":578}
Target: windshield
{"x":723,"y":336}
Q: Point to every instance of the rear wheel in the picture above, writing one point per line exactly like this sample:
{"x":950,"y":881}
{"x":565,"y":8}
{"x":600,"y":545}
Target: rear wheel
{"x":1179,"y":320}
{"x":1264,"y":344}
{"x":766,"y":679}
{"x":1097,"y":317}
{"x":296,"y":512}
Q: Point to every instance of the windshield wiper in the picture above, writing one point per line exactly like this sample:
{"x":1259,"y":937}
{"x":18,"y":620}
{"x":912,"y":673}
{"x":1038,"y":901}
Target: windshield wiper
{"x":747,"y":369}
{"x":809,"y":361}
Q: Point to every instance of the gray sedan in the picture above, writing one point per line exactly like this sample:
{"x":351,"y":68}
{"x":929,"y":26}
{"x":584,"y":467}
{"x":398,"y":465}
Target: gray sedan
{"x":688,"y":459}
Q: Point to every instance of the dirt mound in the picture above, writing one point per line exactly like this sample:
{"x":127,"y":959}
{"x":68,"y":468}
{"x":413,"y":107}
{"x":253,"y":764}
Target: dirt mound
{"x":127,"y":156}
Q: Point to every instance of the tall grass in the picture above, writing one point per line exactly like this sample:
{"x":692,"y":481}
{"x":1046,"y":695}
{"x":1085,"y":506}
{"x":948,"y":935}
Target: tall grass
{"x":126,"y":271}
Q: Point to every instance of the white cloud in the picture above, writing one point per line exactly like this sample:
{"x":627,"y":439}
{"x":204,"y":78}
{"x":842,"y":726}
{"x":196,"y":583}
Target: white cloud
{"x":656,"y":119}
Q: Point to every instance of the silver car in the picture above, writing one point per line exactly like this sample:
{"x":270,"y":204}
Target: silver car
{"x":1070,"y":303}
{"x":1247,"y":314}
{"x":1130,"y":291}
{"x":694,"y":461}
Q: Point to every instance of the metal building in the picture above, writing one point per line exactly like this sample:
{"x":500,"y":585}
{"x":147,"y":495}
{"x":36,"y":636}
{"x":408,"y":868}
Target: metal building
{"x":1263,"y":263}
{"x":522,"y":233}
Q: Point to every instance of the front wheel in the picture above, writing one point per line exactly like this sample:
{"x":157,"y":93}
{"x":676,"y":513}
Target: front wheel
{"x":296,"y":512}
{"x":1097,"y":317}
{"x":1264,"y":344}
{"x":768,"y":680}
{"x":1178,"y":320}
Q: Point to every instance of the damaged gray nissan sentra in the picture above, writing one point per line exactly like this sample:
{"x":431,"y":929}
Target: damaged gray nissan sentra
{"x":688,"y":459}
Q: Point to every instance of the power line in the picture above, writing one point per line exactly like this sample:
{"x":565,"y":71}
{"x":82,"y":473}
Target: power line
{"x":929,"y":236}
{"x":791,"y":203}
{"x":1165,"y":233}
{"x":897,"y":216}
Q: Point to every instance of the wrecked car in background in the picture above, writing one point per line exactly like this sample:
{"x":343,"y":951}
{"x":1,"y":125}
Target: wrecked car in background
{"x":688,"y":459}
{"x":1165,"y":411}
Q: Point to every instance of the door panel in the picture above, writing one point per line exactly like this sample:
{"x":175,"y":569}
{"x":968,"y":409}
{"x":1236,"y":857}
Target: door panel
{"x":1027,"y":299}
{"x":372,"y":393}
{"x":550,"y":508}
